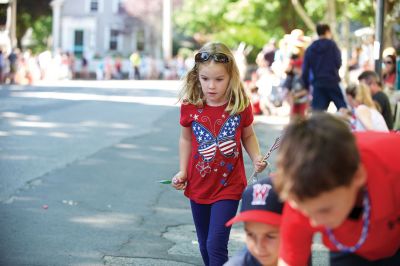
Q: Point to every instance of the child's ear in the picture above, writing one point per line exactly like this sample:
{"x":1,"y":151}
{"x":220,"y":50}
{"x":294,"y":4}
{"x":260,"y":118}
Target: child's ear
{"x":360,"y":177}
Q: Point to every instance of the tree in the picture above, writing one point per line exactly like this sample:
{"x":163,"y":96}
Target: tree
{"x":257,"y":21}
{"x":41,"y":31}
{"x":254,"y":22}
{"x":28,"y":12}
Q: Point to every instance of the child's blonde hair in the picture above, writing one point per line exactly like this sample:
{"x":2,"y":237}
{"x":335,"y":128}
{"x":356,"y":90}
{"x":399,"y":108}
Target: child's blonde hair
{"x":236,"y":95}
{"x":363,"y":96}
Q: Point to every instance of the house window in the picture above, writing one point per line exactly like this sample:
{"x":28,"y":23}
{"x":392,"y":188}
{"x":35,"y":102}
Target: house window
{"x":113,"y":40}
{"x":78,"y":43}
{"x":94,"y":5}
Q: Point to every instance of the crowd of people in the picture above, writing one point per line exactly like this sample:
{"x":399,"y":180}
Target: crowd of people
{"x":23,"y":67}
{"x":306,"y":74}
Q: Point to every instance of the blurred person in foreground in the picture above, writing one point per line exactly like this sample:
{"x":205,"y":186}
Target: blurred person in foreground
{"x":261,"y":212}
{"x":371,"y":79}
{"x":321,"y":65}
{"x":346,"y":186}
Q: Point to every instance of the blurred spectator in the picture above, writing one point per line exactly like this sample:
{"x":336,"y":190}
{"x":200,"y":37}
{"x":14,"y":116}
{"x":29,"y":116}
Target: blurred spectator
{"x":389,"y":72}
{"x":322,"y":61}
{"x":135,"y":66}
{"x":181,"y":67}
{"x":65,"y":67}
{"x":297,"y":93}
{"x":263,"y":79}
{"x":32,"y":68}
{"x":354,"y":62}
{"x":85,"y":68}
{"x":389,"y":51}
{"x":71,"y":65}
{"x":363,"y":114}
{"x":108,"y":68}
{"x":13,"y":63}
{"x":118,"y":68}
{"x":255,"y":98}
{"x":269,"y":52}
{"x":45,"y":62}
{"x":100,"y":70}
{"x":367,"y":53}
{"x":371,"y":79}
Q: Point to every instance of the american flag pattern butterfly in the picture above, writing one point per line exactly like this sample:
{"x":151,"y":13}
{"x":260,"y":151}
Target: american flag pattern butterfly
{"x":225,"y":140}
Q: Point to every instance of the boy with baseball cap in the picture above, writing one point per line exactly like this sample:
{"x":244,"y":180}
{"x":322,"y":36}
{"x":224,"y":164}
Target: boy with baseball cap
{"x":261,"y":212}
{"x":345,"y":186}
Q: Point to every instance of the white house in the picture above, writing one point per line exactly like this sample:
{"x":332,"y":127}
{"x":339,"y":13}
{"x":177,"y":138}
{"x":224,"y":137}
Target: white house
{"x":96,"y":28}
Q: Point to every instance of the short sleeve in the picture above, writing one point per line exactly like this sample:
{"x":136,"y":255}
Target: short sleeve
{"x":296,"y":238}
{"x":185,"y":119}
{"x":247,"y":116}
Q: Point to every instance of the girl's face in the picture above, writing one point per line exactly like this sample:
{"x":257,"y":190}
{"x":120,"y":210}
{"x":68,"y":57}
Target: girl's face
{"x":263,"y":242}
{"x":214,"y":80}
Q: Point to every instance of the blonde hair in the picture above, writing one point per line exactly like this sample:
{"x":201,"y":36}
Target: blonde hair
{"x":192,"y":93}
{"x":363,"y":96}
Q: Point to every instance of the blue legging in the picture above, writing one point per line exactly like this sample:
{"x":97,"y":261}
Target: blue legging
{"x":212,"y":233}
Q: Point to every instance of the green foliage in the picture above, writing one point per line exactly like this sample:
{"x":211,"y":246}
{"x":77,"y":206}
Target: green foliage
{"x":361,"y":11}
{"x":256,"y":21}
{"x":41,"y":32}
{"x":36,"y":15}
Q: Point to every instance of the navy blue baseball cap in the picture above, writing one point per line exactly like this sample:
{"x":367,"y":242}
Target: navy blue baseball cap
{"x":259,"y":204}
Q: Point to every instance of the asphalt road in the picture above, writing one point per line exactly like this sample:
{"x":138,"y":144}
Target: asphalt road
{"x":79,"y":165}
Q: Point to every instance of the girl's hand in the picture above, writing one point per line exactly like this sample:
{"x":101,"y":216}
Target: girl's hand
{"x":259,"y":165}
{"x":179,"y":181}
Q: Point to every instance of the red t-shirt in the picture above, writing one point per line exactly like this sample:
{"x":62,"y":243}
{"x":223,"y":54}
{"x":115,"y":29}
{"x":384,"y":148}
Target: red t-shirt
{"x":216,"y":169}
{"x":380,"y":153}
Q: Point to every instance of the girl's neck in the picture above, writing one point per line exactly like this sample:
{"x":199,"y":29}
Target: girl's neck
{"x":216,"y":104}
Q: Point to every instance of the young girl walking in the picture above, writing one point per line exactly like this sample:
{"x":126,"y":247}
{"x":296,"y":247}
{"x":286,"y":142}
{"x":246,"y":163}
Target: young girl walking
{"x":216,"y":119}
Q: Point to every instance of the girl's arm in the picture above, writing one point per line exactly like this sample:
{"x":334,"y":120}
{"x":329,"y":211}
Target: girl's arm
{"x":250,"y":143}
{"x":185,"y":146}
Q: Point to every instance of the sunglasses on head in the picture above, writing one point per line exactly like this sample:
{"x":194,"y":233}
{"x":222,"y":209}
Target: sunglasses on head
{"x":217,"y":57}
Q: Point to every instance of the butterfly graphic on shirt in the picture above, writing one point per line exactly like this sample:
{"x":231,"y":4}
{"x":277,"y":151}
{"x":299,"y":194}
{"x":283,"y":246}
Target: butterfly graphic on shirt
{"x":203,"y":168}
{"x":225,"y":140}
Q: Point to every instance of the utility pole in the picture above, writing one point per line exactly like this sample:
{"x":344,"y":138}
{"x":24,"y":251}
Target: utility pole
{"x":11,"y":23}
{"x":378,"y":43}
{"x":56,"y":27}
{"x":167,"y":30}
{"x":13,"y":30}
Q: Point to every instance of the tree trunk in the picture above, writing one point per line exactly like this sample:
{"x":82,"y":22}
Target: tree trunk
{"x":345,"y":45}
{"x":390,"y":20}
{"x":331,"y":16}
{"x":303,"y":14}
